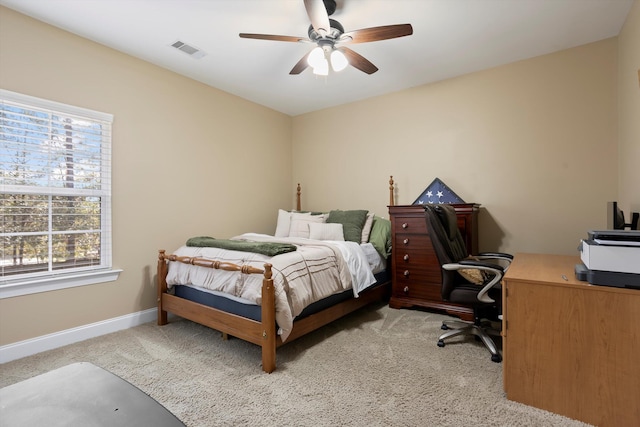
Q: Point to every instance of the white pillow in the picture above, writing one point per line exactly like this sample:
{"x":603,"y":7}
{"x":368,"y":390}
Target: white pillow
{"x":366,"y":228}
{"x":300,"y":224}
{"x":284,"y":223}
{"x":326,"y":231}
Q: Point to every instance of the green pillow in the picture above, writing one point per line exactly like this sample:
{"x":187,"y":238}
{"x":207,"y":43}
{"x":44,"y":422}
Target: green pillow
{"x":380,"y":236}
{"x":352,"y":223}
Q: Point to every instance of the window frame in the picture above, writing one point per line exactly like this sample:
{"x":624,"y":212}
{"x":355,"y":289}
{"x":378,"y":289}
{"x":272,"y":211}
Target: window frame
{"x":30,"y":283}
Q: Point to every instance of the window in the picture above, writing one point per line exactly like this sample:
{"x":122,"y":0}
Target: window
{"x":55,"y":195}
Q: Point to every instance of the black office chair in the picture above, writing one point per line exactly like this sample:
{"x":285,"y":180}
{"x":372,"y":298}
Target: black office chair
{"x":471,"y":281}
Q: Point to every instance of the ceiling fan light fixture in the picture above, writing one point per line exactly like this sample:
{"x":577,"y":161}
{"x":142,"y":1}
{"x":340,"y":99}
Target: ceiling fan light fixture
{"x":322,"y":68}
{"x":316,"y":57}
{"x":338,"y":61}
{"x":327,"y":34}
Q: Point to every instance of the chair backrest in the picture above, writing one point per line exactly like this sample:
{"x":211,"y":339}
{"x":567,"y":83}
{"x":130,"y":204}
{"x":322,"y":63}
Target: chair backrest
{"x":442,"y":224}
{"x":447,"y":242}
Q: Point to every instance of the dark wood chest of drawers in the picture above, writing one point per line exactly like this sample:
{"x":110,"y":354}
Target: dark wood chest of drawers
{"x":416,"y":271}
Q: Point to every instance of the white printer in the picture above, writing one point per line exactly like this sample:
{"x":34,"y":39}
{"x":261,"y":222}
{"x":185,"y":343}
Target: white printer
{"x":610,"y":258}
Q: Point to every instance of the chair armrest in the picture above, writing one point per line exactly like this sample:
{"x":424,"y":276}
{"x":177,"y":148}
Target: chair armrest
{"x":502,"y":258}
{"x":495,"y":255}
{"x":477,"y":264}
{"x":495,"y":269}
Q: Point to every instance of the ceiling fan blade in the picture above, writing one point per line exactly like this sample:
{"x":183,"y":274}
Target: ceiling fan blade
{"x":273,"y":37}
{"x":301,"y":65}
{"x":377,"y":33}
{"x":359,"y":61}
{"x":318,"y":16}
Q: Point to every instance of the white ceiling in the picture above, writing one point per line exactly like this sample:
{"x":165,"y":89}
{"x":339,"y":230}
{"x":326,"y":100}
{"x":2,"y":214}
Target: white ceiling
{"x":451,"y":38}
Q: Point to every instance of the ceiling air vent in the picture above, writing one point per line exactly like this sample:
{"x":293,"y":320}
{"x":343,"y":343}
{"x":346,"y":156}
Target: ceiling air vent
{"x":192,"y":51}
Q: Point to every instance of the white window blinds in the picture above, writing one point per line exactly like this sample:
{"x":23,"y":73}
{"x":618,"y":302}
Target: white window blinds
{"x":55,"y":188}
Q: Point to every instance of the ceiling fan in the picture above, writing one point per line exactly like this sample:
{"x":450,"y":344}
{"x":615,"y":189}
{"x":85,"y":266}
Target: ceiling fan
{"x":330,"y":38}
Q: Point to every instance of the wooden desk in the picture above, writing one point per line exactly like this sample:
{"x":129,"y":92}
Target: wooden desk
{"x":570,"y":347}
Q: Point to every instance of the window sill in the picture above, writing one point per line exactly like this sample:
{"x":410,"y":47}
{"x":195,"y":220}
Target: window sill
{"x":41,"y":284}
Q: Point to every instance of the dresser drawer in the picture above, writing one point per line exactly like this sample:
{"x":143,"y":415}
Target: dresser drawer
{"x":404,"y":242}
{"x":415,"y":273}
{"x":410,"y":224}
{"x":421,"y":283}
{"x":414,"y":260}
{"x":420,"y":275}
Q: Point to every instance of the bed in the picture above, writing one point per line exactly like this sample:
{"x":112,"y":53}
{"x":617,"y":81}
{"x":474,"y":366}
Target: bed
{"x":260,"y":296}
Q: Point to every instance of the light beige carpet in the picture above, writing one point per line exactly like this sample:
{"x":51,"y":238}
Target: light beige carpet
{"x":376,"y":367}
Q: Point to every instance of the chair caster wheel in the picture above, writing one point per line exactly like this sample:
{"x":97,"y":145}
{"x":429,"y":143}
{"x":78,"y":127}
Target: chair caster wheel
{"x":444,"y":327}
{"x":440,"y":343}
{"x":496,"y":358}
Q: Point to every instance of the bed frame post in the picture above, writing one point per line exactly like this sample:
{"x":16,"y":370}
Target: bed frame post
{"x":298,"y":204}
{"x":162,"y":286}
{"x":391,"y":198}
{"x":268,"y":321}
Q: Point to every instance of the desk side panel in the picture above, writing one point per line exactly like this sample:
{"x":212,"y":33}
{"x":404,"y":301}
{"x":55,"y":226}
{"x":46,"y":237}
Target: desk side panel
{"x":573,"y":350}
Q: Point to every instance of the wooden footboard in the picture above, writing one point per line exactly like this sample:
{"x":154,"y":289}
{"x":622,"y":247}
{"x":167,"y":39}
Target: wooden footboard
{"x":260,"y":333}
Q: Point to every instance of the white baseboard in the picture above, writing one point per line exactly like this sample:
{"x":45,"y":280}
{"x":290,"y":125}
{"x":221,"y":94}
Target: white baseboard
{"x":32,"y":346}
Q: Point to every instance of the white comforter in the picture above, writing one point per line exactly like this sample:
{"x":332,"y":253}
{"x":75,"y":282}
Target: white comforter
{"x":314,"y":271}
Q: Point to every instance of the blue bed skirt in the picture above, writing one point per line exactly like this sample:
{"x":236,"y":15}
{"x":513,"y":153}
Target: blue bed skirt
{"x":252,"y":311}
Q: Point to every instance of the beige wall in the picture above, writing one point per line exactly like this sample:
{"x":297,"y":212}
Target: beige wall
{"x":172,"y":158}
{"x":629,"y":111}
{"x":534,"y":142}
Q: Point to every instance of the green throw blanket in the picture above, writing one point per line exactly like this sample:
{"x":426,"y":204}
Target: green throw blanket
{"x":264,"y":248}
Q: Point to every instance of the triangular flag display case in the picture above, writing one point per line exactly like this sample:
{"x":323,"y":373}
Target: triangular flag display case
{"x":437,"y":193}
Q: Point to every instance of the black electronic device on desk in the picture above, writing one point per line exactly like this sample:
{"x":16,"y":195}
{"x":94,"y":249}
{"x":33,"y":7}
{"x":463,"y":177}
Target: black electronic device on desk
{"x":610,"y":258}
{"x":615,"y":218}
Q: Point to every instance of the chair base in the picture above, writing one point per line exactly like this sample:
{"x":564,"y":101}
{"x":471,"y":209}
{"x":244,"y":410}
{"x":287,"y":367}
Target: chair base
{"x":480,"y":330}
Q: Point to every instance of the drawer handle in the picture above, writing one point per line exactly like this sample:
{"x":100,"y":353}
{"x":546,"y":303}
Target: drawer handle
{"x":406,"y":241}
{"x":406,"y":257}
{"x":406,"y":290}
{"x":405,"y":225}
{"x":406,"y":273}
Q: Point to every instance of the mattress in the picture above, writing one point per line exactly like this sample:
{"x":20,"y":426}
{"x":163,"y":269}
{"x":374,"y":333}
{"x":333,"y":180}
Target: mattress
{"x":247,"y":309}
